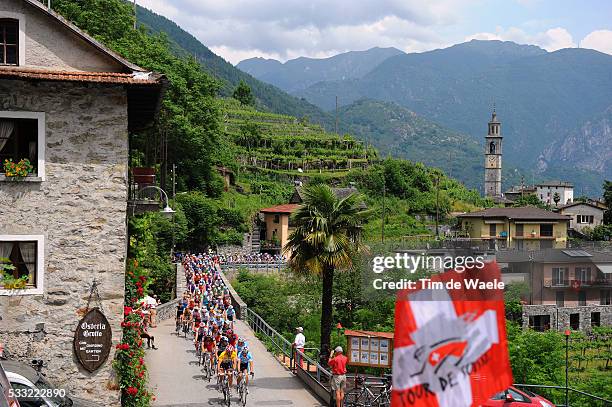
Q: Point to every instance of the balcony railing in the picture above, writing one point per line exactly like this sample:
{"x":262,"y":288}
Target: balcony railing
{"x":553,"y":283}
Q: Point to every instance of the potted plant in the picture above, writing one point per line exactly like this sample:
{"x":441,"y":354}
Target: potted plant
{"x":8,"y":279}
{"x":17,"y":170}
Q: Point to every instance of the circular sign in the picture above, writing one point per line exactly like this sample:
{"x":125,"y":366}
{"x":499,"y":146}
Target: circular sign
{"x":93,"y":340}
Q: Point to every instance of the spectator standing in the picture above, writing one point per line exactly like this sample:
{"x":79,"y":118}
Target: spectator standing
{"x":337,"y":363}
{"x":298,"y":343}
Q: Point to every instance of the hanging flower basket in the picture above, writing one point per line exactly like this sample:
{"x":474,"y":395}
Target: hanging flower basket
{"x":17,"y":170}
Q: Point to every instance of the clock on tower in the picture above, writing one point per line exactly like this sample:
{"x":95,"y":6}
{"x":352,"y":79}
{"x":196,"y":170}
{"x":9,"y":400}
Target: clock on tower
{"x":493,"y":158}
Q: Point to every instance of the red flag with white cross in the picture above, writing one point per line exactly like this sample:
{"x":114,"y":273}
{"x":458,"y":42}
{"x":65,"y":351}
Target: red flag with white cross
{"x":450,"y":346}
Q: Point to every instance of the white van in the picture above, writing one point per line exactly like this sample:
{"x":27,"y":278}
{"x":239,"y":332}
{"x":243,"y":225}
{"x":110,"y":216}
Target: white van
{"x":27,"y":381}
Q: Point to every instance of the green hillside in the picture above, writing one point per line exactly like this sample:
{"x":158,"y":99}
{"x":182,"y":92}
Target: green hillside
{"x":398,"y":132}
{"x":282,"y":143}
{"x":268,"y":97}
{"x":539,"y":95}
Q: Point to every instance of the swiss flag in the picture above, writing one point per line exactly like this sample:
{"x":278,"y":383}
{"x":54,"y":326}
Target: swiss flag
{"x":450,"y":346}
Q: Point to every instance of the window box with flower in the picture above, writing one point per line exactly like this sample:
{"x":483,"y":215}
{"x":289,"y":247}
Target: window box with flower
{"x":17,"y":170}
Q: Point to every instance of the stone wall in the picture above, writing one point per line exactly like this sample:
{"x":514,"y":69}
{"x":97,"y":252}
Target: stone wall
{"x":560,"y":316}
{"x":81,"y":210}
{"x":50,"y":45}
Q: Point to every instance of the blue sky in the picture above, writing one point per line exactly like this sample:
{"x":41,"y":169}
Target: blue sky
{"x":286,"y":29}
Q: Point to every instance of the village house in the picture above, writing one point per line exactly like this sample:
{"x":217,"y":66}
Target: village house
{"x":276,"y":227}
{"x":273,"y":226}
{"x":568,"y":288}
{"x":583,"y":215}
{"x":68,"y":105}
{"x":524,"y":228}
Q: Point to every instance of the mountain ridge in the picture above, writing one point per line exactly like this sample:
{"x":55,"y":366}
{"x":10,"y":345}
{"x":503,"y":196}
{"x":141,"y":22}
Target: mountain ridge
{"x":299,"y":73}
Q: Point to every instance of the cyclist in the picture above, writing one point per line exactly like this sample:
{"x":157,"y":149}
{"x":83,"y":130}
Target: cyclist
{"x":222,"y":345}
{"x":200,"y":331}
{"x":241,"y":344}
{"x":229,"y":315}
{"x":180,"y":307}
{"x":209,"y":346}
{"x":245,"y":365}
{"x":196,"y":318}
{"x":227,"y":360}
{"x":186,"y":319}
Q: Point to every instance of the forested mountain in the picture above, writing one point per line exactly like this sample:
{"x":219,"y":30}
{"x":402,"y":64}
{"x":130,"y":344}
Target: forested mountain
{"x":268,"y":96}
{"x":587,"y":147}
{"x":401,"y":133}
{"x":539,"y":95}
{"x":300,"y":73}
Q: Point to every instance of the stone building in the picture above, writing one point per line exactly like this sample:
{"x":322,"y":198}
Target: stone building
{"x":67,"y":104}
{"x":567,"y":288}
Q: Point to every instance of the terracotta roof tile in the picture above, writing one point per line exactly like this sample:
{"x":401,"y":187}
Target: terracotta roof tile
{"x":75,"y":76}
{"x":285,"y":208}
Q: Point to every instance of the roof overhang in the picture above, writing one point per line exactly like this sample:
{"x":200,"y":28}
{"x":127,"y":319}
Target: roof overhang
{"x":605,"y":268}
{"x":144,"y":89}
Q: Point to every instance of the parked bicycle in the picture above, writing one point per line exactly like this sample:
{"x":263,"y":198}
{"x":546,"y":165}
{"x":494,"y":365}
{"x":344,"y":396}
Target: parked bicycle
{"x":369,"y":394}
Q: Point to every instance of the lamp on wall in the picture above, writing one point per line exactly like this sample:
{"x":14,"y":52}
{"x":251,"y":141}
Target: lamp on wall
{"x":167,"y":211}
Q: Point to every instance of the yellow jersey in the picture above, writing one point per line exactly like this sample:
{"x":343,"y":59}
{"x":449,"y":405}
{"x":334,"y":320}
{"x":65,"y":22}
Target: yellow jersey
{"x":225,"y":356}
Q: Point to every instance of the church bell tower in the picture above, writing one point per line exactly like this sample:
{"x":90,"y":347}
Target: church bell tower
{"x":493,"y":158}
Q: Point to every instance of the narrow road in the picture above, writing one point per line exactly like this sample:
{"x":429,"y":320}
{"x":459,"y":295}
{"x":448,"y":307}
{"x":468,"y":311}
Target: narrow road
{"x":177,"y":380}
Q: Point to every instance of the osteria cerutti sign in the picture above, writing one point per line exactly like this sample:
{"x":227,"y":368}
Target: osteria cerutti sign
{"x":93,"y":340}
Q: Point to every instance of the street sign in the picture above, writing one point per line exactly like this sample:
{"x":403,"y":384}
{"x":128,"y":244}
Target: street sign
{"x":93,"y":340}
{"x":372,"y":349}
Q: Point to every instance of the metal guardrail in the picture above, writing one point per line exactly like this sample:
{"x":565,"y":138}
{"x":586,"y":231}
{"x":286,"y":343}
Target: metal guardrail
{"x":604,"y":402}
{"x":299,"y":362}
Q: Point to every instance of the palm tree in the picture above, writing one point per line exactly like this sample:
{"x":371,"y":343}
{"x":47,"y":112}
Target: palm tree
{"x":326,"y":236}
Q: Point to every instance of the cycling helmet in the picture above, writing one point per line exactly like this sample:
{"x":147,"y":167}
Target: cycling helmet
{"x":240,"y":340}
{"x":224,"y":338}
{"x":245,"y":349}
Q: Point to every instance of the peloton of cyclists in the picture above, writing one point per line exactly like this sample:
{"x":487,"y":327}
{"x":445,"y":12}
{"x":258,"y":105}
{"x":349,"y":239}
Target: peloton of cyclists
{"x":205,"y":310}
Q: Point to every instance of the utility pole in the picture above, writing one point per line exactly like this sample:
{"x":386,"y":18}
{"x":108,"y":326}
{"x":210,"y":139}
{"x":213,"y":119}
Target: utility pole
{"x":437,"y":206}
{"x":173,"y":181}
{"x":522,"y":185}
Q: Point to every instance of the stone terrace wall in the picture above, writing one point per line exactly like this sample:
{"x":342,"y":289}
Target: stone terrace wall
{"x":81,"y":211}
{"x":563,"y":313}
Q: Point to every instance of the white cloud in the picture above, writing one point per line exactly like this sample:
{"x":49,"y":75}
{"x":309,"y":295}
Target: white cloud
{"x":551,"y":39}
{"x":600,"y":40}
{"x":287,"y":29}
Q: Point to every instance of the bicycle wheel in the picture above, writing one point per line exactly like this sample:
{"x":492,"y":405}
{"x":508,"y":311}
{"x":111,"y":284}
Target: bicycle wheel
{"x":244,"y":390}
{"x":351,"y":399}
{"x":226,"y":393}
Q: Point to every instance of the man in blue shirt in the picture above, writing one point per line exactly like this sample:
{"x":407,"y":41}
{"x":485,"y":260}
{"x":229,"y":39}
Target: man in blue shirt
{"x":245,"y":359}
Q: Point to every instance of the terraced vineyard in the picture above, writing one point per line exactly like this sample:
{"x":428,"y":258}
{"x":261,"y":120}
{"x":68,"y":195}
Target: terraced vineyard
{"x":286,"y":144}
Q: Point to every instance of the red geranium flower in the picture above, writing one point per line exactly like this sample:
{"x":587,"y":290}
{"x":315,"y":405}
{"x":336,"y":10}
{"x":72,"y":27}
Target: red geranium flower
{"x":132,"y":391}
